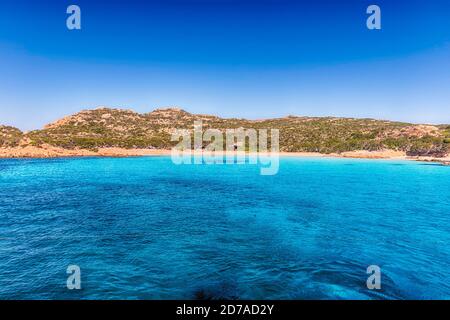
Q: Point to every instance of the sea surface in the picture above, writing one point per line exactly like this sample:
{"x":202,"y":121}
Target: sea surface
{"x":145,"y":228}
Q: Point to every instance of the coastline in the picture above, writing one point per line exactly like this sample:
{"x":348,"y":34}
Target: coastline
{"x":48,"y":151}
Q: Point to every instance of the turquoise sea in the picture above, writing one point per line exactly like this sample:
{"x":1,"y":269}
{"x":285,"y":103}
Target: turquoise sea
{"x":144,"y":228}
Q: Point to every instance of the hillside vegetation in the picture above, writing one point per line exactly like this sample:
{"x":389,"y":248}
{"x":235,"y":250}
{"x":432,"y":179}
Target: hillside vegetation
{"x":105,"y":127}
{"x":10,"y":136}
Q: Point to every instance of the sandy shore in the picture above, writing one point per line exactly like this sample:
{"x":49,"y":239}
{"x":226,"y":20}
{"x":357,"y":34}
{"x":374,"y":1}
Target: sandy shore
{"x":48,"y":151}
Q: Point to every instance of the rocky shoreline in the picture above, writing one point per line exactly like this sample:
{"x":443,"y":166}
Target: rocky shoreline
{"x":48,"y":151}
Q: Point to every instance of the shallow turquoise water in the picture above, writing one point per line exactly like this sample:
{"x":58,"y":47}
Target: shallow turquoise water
{"x":143,"y":228}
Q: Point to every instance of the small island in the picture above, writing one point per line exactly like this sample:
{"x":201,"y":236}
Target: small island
{"x":120,"y":132}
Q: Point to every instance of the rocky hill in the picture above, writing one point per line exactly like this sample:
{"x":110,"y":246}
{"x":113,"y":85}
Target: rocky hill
{"x":108,"y":128}
{"x":10,"y":136}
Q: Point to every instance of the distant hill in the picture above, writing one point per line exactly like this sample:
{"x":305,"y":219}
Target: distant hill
{"x":106,"y":127}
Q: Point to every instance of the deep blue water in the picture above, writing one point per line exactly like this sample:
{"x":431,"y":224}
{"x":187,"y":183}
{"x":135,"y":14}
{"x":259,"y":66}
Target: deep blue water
{"x":143,"y":228}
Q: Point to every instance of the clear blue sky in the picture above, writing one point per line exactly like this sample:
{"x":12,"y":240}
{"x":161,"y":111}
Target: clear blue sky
{"x":253,"y":59}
